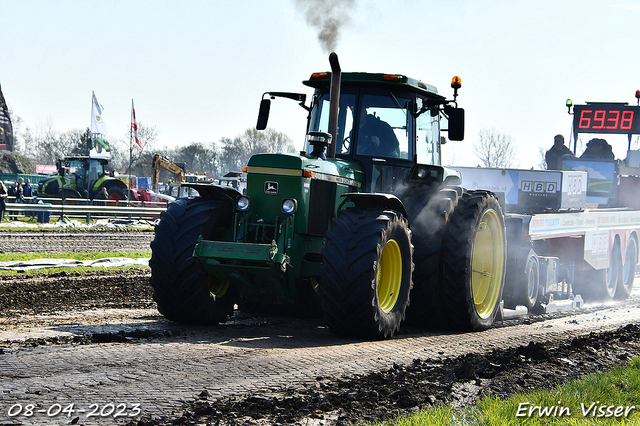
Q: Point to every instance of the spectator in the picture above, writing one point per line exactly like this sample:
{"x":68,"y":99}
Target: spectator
{"x":17,"y":191}
{"x":552,"y":157}
{"x":4,"y":193}
{"x":27,"y":190}
{"x":598,"y":148}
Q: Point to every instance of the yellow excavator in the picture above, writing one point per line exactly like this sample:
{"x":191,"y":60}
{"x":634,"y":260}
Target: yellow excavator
{"x":160,"y":162}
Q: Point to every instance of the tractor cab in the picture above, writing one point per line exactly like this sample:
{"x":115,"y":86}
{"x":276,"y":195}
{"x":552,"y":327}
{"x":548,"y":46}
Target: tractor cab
{"x":387,"y":123}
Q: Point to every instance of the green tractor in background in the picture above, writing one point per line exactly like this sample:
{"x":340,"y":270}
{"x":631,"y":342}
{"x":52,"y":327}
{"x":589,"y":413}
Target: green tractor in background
{"x":364,"y":227}
{"x":82,"y":177}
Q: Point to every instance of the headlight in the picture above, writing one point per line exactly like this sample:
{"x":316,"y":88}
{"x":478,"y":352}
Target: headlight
{"x":289,"y":205}
{"x":242,"y":203}
{"x":422,"y":173}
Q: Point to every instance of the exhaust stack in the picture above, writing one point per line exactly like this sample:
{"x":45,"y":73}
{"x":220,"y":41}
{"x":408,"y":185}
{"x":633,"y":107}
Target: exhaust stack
{"x":334,"y":99}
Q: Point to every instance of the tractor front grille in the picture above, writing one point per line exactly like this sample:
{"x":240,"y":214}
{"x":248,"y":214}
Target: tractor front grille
{"x":320,"y":206}
{"x":261,"y":232}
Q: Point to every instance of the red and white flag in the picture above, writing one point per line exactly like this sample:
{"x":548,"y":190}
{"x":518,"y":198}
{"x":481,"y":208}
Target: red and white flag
{"x":134,"y":125}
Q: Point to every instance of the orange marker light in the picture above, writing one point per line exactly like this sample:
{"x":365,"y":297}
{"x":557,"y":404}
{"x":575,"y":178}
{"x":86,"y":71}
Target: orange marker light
{"x":638,"y":94}
{"x":319,"y":74}
{"x":456,"y":82}
{"x":307,"y":173}
{"x":244,"y":169}
{"x":391,"y":77}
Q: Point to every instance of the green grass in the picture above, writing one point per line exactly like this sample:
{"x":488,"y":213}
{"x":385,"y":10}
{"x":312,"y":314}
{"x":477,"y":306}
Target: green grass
{"x":8,"y":257}
{"x":619,"y":387}
{"x":23,"y":219}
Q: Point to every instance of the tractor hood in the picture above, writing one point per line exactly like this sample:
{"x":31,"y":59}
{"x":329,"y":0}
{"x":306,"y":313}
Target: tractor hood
{"x":308,"y":167}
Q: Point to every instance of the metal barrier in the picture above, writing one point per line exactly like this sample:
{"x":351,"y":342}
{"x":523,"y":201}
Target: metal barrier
{"x":81,"y":208}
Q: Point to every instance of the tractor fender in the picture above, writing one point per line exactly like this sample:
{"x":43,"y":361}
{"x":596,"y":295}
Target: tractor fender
{"x":214,"y":192}
{"x":379,"y":200}
{"x":109,"y":183}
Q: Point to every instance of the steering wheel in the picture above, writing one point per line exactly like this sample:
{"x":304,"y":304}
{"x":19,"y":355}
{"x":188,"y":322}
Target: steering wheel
{"x":346,"y":144}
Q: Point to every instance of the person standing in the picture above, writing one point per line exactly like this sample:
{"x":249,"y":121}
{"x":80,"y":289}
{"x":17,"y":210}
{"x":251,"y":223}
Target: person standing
{"x":4,"y":193}
{"x":552,"y":157}
{"x":27,"y":190}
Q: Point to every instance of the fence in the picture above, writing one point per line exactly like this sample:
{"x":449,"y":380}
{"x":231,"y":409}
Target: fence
{"x":44,"y":208}
{"x":9,"y":178}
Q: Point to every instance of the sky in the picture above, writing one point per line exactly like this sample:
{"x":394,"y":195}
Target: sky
{"x":197,"y":69}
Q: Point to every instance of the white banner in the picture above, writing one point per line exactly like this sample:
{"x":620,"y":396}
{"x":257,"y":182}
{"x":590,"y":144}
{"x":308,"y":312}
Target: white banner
{"x":99,"y":137}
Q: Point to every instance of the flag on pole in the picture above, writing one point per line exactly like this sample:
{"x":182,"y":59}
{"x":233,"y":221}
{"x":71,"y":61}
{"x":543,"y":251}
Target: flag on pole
{"x":134,"y":125}
{"x":6,"y":130}
{"x":99,"y":139}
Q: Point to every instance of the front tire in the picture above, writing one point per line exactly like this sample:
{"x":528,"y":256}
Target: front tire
{"x":366,"y":273}
{"x":181,"y":287}
{"x":474,"y":262}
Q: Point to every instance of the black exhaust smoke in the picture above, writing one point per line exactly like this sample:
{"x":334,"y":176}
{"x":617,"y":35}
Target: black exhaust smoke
{"x":328,"y":17}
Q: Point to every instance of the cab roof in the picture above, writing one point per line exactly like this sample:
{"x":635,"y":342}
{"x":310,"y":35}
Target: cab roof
{"x":323,"y":79}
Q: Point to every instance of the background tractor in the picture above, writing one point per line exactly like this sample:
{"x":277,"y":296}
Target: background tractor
{"x":364,"y":227}
{"x":82,"y":177}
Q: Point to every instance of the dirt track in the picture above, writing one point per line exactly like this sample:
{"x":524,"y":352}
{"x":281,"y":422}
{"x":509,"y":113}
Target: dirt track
{"x":98,"y":340}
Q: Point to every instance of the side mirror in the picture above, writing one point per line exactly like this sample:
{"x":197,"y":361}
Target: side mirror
{"x":263,"y":114}
{"x":456,"y":122}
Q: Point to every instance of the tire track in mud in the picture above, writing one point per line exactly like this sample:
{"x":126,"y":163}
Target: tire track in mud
{"x":75,"y":241}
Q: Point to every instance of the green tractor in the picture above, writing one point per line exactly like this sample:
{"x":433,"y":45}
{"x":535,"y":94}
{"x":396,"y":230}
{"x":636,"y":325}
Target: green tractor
{"x":82,"y":177}
{"x":364,"y":227}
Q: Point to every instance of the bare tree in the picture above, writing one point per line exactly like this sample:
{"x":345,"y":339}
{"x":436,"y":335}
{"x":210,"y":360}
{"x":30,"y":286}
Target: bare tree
{"x":236,"y":152}
{"x":542,"y":160}
{"x":126,"y":150}
{"x":495,"y":149}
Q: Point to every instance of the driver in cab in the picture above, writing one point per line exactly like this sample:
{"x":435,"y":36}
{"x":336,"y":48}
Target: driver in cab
{"x":376,"y":137}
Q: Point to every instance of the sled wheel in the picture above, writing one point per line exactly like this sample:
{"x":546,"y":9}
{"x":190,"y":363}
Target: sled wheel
{"x":366,"y":273}
{"x":628,"y":270}
{"x":427,"y":230}
{"x":613,"y":272}
{"x":474,"y":262}
{"x":530,"y":286}
{"x":182,"y":289}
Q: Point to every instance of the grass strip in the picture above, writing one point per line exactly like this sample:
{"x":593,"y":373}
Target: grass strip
{"x":608,"y":398}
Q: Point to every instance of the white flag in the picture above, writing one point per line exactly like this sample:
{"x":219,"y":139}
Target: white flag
{"x":99,"y":137}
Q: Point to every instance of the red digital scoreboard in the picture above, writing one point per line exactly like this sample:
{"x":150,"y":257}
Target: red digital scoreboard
{"x":606,"y":118}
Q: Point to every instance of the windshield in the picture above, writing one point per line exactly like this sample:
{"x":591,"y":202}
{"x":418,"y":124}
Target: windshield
{"x":382,"y":127}
{"x":320,"y":120}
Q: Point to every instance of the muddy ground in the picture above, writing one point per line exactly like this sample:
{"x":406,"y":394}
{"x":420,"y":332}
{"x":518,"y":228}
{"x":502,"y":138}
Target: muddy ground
{"x":333,"y":400}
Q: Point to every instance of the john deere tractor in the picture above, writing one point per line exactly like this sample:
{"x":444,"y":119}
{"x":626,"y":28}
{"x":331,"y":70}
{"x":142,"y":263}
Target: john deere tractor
{"x":82,"y":177}
{"x":364,"y":227}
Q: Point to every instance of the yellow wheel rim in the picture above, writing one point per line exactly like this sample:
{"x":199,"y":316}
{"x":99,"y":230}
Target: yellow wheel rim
{"x":389,"y":275}
{"x":487,"y":264}
{"x":218,"y":287}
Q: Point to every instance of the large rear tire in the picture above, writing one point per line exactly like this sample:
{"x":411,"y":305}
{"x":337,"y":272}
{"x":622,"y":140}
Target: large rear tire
{"x":427,"y":230}
{"x":366,"y":273}
{"x":474,"y":262}
{"x":181,"y":287}
{"x":116,"y":194}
